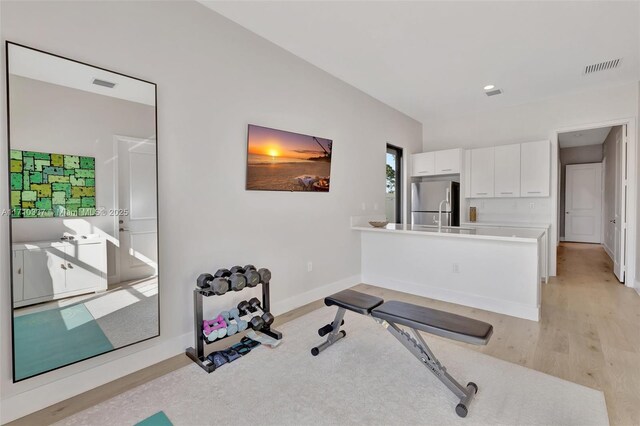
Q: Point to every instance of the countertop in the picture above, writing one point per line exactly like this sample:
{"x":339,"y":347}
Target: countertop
{"x":477,"y":232}
{"x":523,"y":225}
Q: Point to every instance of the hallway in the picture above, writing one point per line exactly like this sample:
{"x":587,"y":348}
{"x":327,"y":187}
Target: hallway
{"x":590,"y":329}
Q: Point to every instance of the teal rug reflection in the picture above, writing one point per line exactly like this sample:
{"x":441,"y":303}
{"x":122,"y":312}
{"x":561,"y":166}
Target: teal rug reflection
{"x":56,"y":337}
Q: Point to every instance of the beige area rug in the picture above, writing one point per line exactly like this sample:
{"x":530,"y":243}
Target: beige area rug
{"x":366,"y":378}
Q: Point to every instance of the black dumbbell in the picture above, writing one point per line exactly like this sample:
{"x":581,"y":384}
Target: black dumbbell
{"x":257,"y":322}
{"x":222,"y":273}
{"x":267,"y":317}
{"x":249,"y":271}
{"x":236,"y":281}
{"x":323,"y":331}
{"x":245,"y":308}
{"x":218,"y":285}
{"x":265,"y":275}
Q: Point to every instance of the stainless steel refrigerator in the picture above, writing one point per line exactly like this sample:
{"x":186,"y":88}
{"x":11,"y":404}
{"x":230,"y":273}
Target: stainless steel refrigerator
{"x":426,"y":197}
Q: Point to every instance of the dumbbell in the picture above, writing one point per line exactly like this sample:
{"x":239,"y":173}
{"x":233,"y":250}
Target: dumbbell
{"x":214,"y":329}
{"x":257,"y":322}
{"x":249,"y":271}
{"x":218,"y":285}
{"x":236,"y":281}
{"x":265,"y":274}
{"x":231,"y":328}
{"x":323,"y":331}
{"x":222,"y":273}
{"x":235,"y":314}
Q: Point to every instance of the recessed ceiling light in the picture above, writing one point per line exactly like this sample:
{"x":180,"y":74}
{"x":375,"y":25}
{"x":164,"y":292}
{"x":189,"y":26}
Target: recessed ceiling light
{"x":489,"y":87}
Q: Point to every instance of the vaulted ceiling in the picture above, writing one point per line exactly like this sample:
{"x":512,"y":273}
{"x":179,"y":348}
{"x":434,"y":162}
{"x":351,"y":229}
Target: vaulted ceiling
{"x":430,"y":59}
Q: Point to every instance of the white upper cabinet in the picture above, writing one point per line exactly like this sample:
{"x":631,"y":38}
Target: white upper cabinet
{"x":482,"y":172}
{"x":423,"y":164}
{"x":436,"y":162}
{"x":507,"y":171}
{"x":535,"y":169}
{"x":448,"y":161}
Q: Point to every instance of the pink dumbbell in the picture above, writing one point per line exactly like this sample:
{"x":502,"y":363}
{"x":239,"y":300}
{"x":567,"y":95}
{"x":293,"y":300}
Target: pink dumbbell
{"x":215,"y":328}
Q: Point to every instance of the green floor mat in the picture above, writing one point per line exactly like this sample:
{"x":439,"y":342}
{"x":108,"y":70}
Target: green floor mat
{"x":158,"y":419}
{"x":56,"y":337}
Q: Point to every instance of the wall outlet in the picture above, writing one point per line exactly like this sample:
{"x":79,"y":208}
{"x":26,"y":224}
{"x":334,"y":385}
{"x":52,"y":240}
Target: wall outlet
{"x":456,"y":268}
{"x":532,"y":205}
{"x":309,"y":266}
{"x":364,"y":206}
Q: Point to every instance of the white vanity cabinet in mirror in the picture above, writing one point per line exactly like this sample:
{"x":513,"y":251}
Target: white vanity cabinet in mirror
{"x":51,"y":270}
{"x":84,"y":225}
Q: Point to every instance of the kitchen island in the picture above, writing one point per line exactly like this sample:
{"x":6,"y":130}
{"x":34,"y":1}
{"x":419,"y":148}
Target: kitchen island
{"x":494,"y":269}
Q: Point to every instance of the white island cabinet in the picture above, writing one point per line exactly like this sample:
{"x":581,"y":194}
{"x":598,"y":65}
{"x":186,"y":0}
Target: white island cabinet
{"x":50,"y":270}
{"x":487,"y":268}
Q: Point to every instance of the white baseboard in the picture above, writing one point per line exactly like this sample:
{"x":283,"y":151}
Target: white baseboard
{"x":513,"y":309}
{"x":29,"y":401}
{"x":296,"y":301}
{"x":608,"y":250}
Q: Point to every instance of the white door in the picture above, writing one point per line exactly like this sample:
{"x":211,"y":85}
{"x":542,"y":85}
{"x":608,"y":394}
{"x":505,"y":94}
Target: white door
{"x":620,"y":219}
{"x":137,"y":199}
{"x":583,"y":203}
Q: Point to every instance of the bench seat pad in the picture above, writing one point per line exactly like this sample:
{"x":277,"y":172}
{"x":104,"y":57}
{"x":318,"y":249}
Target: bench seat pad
{"x":440,"y":323}
{"x":354,"y":301}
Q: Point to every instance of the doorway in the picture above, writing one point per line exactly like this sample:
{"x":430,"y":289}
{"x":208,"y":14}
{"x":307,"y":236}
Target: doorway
{"x":583,"y":203}
{"x":393,"y":200}
{"x":593,"y":191}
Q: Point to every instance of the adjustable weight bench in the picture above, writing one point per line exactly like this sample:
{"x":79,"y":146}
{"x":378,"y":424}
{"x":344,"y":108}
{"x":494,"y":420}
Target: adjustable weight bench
{"x":392,"y":314}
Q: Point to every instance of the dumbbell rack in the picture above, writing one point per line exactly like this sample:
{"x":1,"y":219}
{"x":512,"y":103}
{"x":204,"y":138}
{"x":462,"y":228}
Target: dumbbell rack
{"x":197,"y":353}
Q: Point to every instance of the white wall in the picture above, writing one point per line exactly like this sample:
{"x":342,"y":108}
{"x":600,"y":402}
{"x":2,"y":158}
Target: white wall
{"x":213,"y":79}
{"x":531,"y":122}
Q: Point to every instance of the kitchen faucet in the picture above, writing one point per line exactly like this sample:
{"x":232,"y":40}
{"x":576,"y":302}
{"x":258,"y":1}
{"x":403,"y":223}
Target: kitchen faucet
{"x":446,"y":200}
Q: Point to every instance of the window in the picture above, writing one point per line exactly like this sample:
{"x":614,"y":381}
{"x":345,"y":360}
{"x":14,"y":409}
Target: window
{"x":393,"y":201}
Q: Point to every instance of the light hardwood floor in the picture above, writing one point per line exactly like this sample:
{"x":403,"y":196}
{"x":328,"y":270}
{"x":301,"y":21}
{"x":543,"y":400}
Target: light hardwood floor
{"x":589,"y":333}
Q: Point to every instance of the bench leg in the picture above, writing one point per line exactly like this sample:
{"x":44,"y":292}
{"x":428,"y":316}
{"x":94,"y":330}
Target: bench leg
{"x":419,"y":348}
{"x":335,"y":335}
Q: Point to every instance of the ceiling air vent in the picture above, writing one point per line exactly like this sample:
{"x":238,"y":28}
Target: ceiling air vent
{"x":602,"y":66}
{"x":494,"y":92}
{"x":103,"y":83}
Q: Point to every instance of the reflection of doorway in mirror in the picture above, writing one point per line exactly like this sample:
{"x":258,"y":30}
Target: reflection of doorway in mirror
{"x":136,"y":194}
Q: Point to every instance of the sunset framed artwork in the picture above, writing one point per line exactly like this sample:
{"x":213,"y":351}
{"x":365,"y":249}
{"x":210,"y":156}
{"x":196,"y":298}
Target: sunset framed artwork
{"x":278,"y":160}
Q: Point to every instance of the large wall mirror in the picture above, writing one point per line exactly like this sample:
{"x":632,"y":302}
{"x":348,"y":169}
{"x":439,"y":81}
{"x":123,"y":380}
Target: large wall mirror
{"x":84,"y":226}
